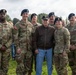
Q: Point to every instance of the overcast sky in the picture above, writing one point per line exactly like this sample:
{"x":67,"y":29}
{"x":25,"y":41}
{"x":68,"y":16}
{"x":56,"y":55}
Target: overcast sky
{"x":60,"y":7}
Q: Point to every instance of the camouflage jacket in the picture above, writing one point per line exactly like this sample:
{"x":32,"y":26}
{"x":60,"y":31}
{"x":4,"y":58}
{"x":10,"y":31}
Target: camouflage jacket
{"x":5,"y":34}
{"x":72,"y":30}
{"x":35,"y":26}
{"x":23,"y":34}
{"x":62,"y":40}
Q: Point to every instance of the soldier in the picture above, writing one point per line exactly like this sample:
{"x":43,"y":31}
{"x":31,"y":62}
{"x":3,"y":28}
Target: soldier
{"x":51,"y":18}
{"x":35,"y":25}
{"x":72,"y":55}
{"x":5,"y":42}
{"x":22,"y":40}
{"x":34,"y":20}
{"x":62,"y":44}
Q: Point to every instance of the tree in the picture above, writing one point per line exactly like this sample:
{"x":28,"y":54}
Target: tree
{"x":8,"y":18}
{"x":40,"y":17}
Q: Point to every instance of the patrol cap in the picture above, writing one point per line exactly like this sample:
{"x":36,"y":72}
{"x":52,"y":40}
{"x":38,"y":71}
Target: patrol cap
{"x":44,"y":18}
{"x":24,"y":11}
{"x":57,"y":19}
{"x":70,"y":15}
{"x":51,"y":14}
{"x":34,"y":14}
{"x":3,"y":11}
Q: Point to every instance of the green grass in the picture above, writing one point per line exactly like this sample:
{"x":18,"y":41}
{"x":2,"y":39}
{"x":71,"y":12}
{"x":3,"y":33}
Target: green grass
{"x":12,"y":69}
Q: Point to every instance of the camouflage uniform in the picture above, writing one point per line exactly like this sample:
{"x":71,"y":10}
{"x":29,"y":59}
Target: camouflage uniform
{"x":5,"y":39}
{"x":62,"y":44}
{"x":72,"y":54}
{"x":22,"y":40}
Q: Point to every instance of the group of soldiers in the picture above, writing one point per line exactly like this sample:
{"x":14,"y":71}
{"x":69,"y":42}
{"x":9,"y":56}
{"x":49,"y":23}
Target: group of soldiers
{"x":23,"y":33}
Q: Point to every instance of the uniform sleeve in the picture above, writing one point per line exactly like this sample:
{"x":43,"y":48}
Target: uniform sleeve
{"x":67,"y":40}
{"x":8,"y":44}
{"x":15,"y":33}
{"x":9,"y":41}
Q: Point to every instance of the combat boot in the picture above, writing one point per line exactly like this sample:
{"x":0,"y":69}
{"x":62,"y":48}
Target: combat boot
{"x":73,"y":73}
{"x":29,"y":73}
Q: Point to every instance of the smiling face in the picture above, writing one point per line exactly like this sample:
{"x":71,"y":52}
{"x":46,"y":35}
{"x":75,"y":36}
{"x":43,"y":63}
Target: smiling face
{"x":45,"y":22}
{"x":51,"y":19}
{"x":72,"y":19}
{"x":25,"y":15}
{"x":34,"y":18}
{"x":58,"y":24}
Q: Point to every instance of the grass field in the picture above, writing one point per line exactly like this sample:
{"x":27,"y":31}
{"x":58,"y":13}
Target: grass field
{"x":12,"y":69}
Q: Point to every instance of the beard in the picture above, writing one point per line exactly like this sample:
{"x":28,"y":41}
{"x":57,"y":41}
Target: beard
{"x":2,"y":20}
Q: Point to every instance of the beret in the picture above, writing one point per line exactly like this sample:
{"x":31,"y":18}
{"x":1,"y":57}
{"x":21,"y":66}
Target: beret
{"x":51,"y":14}
{"x":34,"y":14}
{"x":24,"y":11}
{"x":70,"y":15}
{"x":57,"y":19}
{"x":3,"y":11}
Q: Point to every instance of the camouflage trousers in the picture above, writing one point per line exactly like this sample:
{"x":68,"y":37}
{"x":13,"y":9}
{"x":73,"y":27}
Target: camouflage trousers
{"x":61,"y":62}
{"x":4,"y":62}
{"x":72,"y":61}
{"x":33,"y":61}
{"x":23,"y":62}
